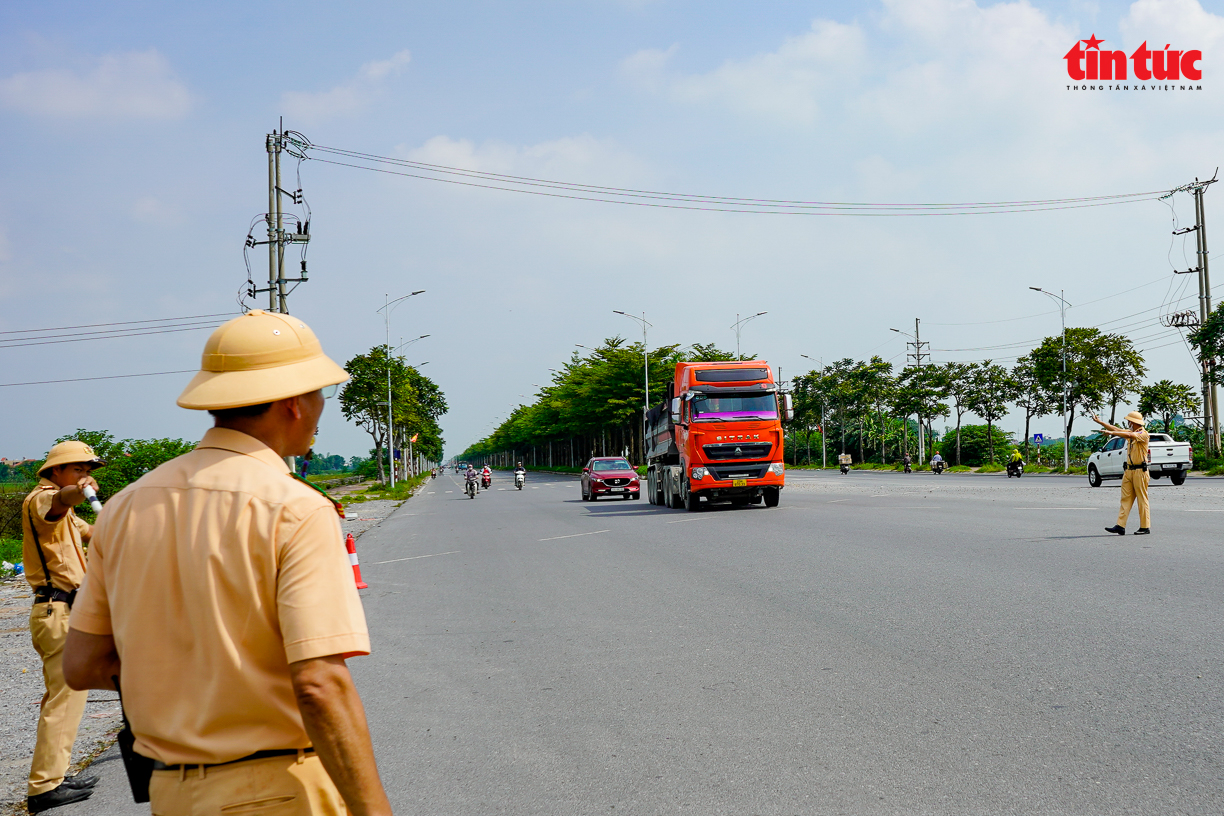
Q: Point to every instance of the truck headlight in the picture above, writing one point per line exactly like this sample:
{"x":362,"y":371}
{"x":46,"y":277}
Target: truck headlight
{"x":699,"y":473}
{"x":777,"y":468}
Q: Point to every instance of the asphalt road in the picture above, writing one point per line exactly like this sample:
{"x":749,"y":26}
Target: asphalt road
{"x":879,"y":644}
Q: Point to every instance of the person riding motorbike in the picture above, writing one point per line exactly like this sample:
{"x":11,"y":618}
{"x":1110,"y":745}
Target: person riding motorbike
{"x":937,"y":463}
{"x":843,"y":461}
{"x":486,"y":477}
{"x":907,"y":461}
{"x":520,"y":475}
{"x":469,"y":478}
{"x":1015,"y":465}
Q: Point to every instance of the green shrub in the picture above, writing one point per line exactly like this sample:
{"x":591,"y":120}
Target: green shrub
{"x":989,"y":468}
{"x":10,"y":550}
{"x":974,"y":448}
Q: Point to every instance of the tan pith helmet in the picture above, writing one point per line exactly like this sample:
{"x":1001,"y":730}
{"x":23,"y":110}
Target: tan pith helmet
{"x":1136,"y":417}
{"x":259,"y":357}
{"x":70,"y":452}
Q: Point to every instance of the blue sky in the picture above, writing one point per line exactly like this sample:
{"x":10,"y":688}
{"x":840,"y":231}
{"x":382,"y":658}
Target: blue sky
{"x":133,"y":164}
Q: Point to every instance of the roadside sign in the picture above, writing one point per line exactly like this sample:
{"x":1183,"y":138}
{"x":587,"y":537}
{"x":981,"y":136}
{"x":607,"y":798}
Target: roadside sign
{"x":1038,"y":438}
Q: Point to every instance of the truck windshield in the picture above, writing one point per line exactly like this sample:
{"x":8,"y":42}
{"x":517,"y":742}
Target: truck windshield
{"x":709,"y":407}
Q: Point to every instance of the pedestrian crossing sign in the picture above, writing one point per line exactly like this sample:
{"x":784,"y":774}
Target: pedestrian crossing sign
{"x":1038,"y":438}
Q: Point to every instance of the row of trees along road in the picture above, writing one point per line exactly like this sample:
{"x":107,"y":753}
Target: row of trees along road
{"x":417,"y":404}
{"x":592,"y":407}
{"x":867,"y":407}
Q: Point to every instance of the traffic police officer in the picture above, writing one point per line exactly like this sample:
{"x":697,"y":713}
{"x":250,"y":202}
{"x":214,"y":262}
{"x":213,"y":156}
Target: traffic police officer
{"x":1134,"y":472}
{"x":52,"y":539}
{"x":221,"y":598}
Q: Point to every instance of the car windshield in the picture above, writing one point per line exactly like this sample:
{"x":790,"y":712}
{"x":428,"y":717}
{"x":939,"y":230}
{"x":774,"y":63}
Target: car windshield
{"x":610,"y":464}
{"x":709,"y":407}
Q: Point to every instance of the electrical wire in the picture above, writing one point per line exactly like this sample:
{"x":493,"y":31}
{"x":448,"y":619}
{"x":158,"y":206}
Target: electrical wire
{"x":135,"y":333}
{"x":122,"y":323}
{"x":89,"y":379}
{"x":688,"y":201}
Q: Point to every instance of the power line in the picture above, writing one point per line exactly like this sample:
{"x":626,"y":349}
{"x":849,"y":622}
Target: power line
{"x":134,"y":333}
{"x":688,"y":201}
{"x":123,"y":323}
{"x":88,"y":379}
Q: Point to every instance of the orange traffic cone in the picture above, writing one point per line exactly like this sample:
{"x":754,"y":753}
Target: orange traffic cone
{"x":351,"y":546}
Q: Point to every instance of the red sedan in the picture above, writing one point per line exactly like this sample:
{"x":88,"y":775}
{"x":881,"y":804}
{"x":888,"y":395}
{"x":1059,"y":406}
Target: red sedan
{"x":610,"y":476}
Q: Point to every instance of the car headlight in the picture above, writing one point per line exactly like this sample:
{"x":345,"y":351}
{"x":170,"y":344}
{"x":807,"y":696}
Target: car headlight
{"x":699,"y":473}
{"x":777,"y":468}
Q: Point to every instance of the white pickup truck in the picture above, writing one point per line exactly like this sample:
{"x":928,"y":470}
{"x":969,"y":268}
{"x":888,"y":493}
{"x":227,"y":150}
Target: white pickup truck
{"x":1165,"y":458}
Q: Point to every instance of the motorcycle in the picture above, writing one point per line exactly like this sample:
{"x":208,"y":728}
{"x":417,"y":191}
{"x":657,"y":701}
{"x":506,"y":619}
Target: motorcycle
{"x":908,"y":469}
{"x":1015,"y":469}
{"x":434,"y":475}
{"x":485,"y":481}
{"x":470,"y":489}
{"x":937,"y":468}
{"x":519,"y":478}
{"x":845,"y":469}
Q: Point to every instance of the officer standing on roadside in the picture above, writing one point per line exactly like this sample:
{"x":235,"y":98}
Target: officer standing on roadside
{"x":1134,"y":472}
{"x":221,"y":599}
{"x":52,"y":540}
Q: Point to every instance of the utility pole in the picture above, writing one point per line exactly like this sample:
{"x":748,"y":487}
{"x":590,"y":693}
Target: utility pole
{"x":917,"y":357}
{"x":1211,"y":407}
{"x":824,"y":459}
{"x":275,"y":143}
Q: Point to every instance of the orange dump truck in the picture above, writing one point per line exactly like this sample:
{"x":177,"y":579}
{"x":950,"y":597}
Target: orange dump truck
{"x":717,"y":437}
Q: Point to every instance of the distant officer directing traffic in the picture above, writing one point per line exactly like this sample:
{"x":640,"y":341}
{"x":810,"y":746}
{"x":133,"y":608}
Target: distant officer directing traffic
{"x":52,"y":546}
{"x":221,"y":595}
{"x":1134,"y":472}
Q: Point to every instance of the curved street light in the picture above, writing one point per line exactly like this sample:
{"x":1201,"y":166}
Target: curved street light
{"x":824,"y":459}
{"x":737,"y":325}
{"x":386,"y":312}
{"x":645,"y":372}
{"x":1062,"y":310}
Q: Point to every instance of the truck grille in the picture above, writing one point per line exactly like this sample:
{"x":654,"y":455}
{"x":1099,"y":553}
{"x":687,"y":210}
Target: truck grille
{"x":742,"y":470}
{"x":741,"y":450}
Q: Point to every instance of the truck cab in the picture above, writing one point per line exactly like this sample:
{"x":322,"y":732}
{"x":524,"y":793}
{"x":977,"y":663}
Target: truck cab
{"x":718,"y":437}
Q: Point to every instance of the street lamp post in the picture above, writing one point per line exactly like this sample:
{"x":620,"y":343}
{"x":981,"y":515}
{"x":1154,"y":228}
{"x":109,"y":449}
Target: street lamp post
{"x":737,"y":325}
{"x":1062,"y":310}
{"x":386,"y":310}
{"x":824,"y":460}
{"x":645,"y":373}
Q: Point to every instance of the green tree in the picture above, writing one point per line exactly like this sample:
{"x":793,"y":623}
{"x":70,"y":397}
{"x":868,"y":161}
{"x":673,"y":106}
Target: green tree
{"x":922,"y":387}
{"x":1126,"y":369}
{"x":958,"y":382}
{"x":1208,"y":341}
{"x":126,"y":459}
{"x":1167,"y":399}
{"x":1029,"y":395}
{"x":974,"y":446}
{"x":1087,"y":379}
{"x":992,"y":389}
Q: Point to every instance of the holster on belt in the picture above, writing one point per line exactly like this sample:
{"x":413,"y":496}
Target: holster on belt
{"x":1129,"y":466}
{"x":138,"y":766}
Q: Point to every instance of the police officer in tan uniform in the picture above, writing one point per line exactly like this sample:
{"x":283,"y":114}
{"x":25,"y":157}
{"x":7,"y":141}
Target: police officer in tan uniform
{"x":52,"y":544}
{"x":1134,"y":473}
{"x":221,"y":600}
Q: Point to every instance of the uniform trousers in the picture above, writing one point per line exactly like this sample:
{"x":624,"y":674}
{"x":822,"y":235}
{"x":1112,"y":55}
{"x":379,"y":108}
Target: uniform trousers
{"x":62,"y":707}
{"x":1135,"y":487}
{"x":275,"y":786}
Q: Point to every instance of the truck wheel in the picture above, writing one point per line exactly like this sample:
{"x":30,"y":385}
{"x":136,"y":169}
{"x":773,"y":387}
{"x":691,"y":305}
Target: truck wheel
{"x":691,"y":501}
{"x":772,"y":496}
{"x":650,"y":486}
{"x":1178,"y":478}
{"x":674,"y":499}
{"x":1094,"y":477}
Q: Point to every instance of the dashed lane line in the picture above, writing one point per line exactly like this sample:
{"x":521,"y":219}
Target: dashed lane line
{"x":415,"y":557}
{"x":575,"y":535}
{"x":1058,"y":508}
{"x":835,"y":501}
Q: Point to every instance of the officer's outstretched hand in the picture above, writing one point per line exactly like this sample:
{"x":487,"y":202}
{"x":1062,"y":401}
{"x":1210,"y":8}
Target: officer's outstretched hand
{"x":72,"y":495}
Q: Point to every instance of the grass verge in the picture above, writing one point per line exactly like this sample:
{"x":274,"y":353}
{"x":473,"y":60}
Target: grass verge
{"x":379,"y":492}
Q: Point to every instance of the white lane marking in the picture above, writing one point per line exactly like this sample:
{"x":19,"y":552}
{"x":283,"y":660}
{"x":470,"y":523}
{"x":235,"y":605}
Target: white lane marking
{"x":575,"y":535}
{"x":835,"y":501}
{"x":1059,"y":508}
{"x":431,"y":492}
{"x":533,"y":487}
{"x":415,"y":557}
{"x":501,"y":488}
{"x":450,"y":491}
{"x":683,"y":521}
{"x":1203,"y":509}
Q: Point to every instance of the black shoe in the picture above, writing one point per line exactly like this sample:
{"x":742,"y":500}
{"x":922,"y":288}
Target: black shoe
{"x":79,"y":782}
{"x":62,"y":795}
{"x":1117,"y":528}
{"x":1143,"y":531}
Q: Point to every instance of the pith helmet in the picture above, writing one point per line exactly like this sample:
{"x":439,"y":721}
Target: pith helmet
{"x":259,"y":357}
{"x":1136,"y":417}
{"x":68,"y":453}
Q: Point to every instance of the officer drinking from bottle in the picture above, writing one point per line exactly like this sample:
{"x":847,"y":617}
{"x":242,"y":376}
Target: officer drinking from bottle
{"x":52,"y":548}
{"x":221,"y":600}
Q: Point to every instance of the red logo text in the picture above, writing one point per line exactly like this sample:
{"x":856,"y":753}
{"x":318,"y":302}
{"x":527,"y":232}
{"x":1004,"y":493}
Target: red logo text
{"x":1091,"y":62}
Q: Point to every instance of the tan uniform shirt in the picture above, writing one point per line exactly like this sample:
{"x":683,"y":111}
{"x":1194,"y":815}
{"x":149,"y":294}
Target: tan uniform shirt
{"x":214,"y":572}
{"x":1137,"y":448}
{"x":60,"y":541}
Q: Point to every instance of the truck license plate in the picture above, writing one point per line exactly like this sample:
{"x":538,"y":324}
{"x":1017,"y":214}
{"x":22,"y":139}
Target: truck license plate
{"x":739,"y":482}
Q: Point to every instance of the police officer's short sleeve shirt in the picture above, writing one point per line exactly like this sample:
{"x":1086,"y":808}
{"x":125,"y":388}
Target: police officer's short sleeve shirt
{"x":213,"y":573}
{"x":59,"y":541}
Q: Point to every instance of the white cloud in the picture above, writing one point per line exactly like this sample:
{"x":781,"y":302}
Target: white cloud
{"x":153,"y":210}
{"x":573,"y":158}
{"x":1183,"y":24}
{"x":133,"y":85}
{"x":784,"y":84}
{"x":349,"y":98}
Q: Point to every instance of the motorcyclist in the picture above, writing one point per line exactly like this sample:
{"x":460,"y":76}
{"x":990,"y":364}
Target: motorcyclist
{"x":470,"y":477}
{"x":936,"y":460}
{"x":907,"y":461}
{"x":1015,"y":456}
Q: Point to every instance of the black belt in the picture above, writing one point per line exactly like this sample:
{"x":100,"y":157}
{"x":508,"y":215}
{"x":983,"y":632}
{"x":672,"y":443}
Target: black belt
{"x":45,"y":594}
{"x":161,"y":766}
{"x":1129,"y":466}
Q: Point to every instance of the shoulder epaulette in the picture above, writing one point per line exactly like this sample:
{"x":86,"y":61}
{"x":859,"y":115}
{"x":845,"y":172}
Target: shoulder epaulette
{"x":339,"y":507}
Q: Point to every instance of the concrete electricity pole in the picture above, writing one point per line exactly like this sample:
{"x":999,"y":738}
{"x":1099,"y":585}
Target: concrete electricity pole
{"x":1062,"y":310}
{"x":278,"y":295}
{"x":917,"y":357}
